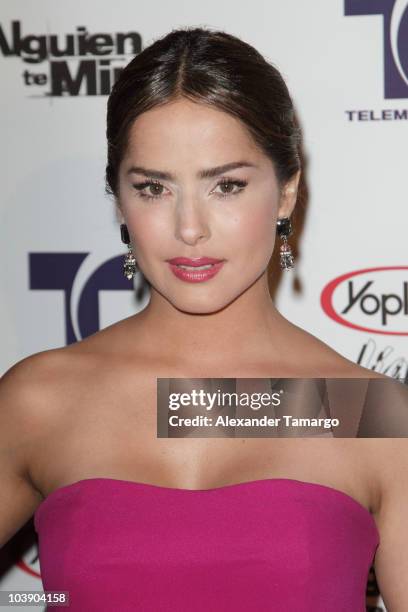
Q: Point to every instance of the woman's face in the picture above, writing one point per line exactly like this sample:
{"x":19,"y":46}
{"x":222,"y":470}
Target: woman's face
{"x":178,"y":201}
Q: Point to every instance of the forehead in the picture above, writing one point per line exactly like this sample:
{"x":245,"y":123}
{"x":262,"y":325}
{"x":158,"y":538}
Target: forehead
{"x":185,"y":128}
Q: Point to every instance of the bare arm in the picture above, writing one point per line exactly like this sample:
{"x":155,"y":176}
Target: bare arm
{"x":20,"y":391}
{"x":391,"y":560}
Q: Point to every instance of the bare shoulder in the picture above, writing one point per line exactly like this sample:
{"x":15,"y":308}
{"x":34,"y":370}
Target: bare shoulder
{"x":36,"y":392}
{"x":36,"y":395}
{"x":25,"y":382}
{"x":43,"y":383}
{"x":391,"y":559}
{"x":27,"y":387}
{"x":324,"y":361}
{"x":26,"y":414}
{"x":393,"y":466}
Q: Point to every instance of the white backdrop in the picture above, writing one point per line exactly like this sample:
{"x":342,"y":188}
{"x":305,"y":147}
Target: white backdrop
{"x":61,"y":252}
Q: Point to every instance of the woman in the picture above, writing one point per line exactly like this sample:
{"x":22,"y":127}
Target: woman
{"x":203,"y":162}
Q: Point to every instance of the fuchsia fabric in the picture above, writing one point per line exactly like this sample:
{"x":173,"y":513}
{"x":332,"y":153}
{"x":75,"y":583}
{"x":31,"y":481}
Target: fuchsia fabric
{"x":277,"y":545}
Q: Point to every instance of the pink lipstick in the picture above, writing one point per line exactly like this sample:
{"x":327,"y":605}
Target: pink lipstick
{"x":195,"y":270}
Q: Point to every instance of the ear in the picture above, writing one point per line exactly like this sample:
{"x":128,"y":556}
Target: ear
{"x":119,"y":213}
{"x":288,"y":196}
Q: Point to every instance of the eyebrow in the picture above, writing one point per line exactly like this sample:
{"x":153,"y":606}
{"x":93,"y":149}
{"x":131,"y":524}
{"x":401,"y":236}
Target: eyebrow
{"x":202,"y":174}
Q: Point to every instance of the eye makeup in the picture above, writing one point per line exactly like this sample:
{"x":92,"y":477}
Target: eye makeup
{"x":224,"y":182}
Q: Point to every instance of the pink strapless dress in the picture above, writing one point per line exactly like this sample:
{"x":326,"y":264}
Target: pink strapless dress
{"x":278,"y":545}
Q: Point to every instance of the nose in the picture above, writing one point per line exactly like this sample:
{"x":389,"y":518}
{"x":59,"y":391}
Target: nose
{"x":191,"y":223}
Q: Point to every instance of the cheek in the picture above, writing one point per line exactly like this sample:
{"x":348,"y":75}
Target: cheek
{"x":256,"y":230}
{"x":148,"y":230}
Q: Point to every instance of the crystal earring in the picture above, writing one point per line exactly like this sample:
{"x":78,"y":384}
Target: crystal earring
{"x":129,"y":265}
{"x":284,"y":228}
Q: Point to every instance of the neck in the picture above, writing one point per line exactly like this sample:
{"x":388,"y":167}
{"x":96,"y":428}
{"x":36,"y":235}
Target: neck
{"x":249,"y":327}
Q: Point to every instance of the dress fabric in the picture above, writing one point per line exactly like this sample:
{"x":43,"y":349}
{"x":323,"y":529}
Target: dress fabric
{"x":276,"y":545}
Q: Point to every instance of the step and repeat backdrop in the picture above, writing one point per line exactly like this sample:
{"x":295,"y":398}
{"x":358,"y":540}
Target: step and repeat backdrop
{"x":346,"y":66}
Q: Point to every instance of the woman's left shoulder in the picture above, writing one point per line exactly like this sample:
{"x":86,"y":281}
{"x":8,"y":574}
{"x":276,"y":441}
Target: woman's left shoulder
{"x":325,"y":361}
{"x":391,"y":558}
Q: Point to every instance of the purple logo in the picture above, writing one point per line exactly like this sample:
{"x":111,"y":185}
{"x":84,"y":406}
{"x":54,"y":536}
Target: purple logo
{"x":61,"y":272}
{"x":395,"y":40}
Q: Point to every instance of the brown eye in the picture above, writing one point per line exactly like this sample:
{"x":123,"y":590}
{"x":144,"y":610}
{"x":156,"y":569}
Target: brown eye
{"x":228,"y":185}
{"x":154,"y":186}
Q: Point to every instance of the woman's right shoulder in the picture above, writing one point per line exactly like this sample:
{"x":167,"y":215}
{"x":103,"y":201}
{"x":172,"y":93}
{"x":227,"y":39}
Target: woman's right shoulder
{"x":46,"y":384}
{"x":28,"y":413}
{"x":29,"y":387}
{"x":38,"y":364}
{"x":32,"y":372}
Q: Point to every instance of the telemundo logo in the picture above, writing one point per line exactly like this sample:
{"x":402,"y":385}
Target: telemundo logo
{"x":395,"y":37}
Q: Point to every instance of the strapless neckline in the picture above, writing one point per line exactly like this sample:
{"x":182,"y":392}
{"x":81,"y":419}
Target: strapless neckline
{"x":292,"y":482}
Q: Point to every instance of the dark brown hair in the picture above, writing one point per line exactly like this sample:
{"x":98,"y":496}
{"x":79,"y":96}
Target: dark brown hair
{"x":213,"y":68}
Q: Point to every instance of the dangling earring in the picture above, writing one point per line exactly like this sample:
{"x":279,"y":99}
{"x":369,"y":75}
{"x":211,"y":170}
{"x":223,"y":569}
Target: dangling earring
{"x":284,"y":228}
{"x":129,"y":266}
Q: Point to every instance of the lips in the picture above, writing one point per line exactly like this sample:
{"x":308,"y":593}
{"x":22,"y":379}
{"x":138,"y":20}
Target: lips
{"x":198,"y":272}
{"x":196,"y":262}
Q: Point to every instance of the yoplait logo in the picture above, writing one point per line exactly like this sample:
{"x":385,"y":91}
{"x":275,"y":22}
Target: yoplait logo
{"x":82,"y":64}
{"x":373,"y":300}
{"x":395,"y":40}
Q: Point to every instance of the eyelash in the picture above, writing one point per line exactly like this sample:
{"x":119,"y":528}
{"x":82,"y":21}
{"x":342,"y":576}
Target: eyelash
{"x":239,"y":183}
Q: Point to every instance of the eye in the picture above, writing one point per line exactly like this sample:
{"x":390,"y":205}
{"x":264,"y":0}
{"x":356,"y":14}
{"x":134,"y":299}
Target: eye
{"x":227,"y":184}
{"x":156,"y":189}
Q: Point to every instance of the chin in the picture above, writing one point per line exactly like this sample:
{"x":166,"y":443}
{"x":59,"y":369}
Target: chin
{"x":199,"y":306}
